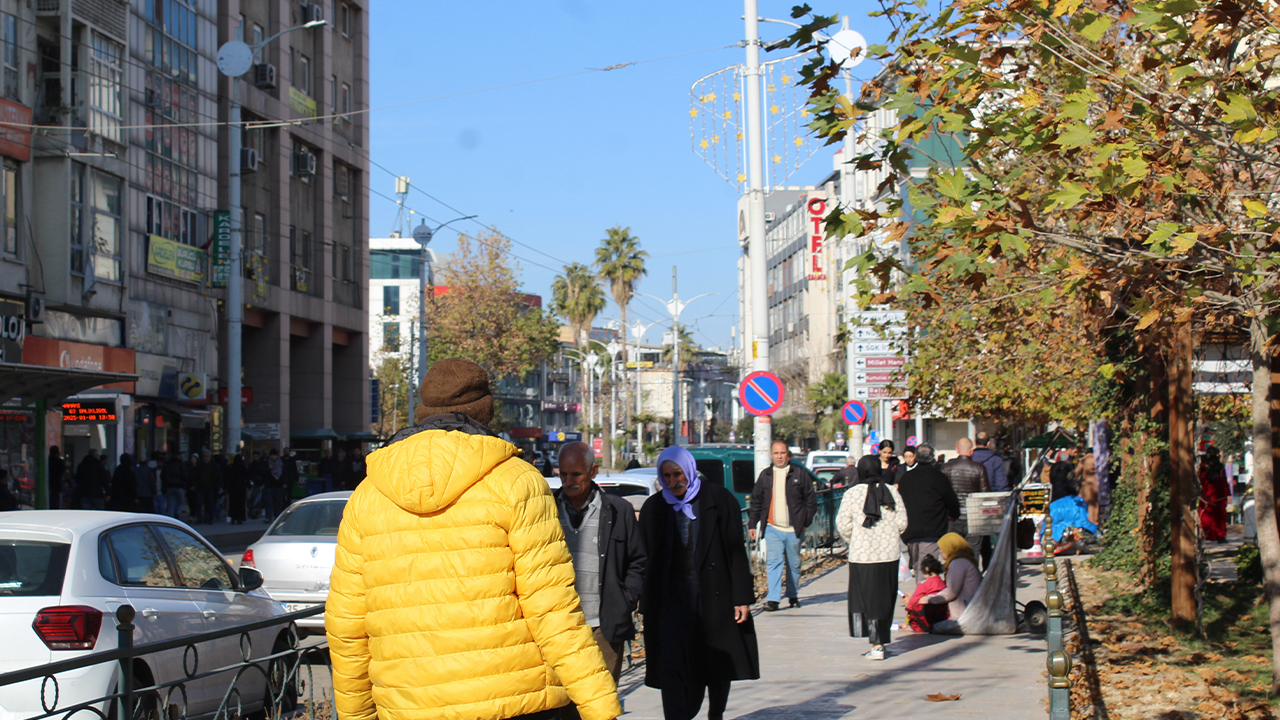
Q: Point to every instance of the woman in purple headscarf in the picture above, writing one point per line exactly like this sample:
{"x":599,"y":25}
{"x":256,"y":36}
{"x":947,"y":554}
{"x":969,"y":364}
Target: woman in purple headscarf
{"x":699,"y":635}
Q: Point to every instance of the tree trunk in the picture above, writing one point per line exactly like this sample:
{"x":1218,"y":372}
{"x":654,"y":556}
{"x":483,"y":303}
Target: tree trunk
{"x":1182,"y":541}
{"x":1264,"y":496}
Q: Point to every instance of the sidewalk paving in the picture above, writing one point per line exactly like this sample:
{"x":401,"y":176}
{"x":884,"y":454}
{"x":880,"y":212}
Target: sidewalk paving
{"x":812,"y":669}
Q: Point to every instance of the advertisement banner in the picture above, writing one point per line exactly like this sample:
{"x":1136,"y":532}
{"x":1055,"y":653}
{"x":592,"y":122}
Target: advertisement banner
{"x":221,"y":260}
{"x":15,"y":130}
{"x":175,"y":260}
{"x":301,"y":103}
{"x":65,"y":354}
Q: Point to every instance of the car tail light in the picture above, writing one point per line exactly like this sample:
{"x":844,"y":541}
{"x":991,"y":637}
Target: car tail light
{"x":70,"y":627}
{"x":247,"y":560}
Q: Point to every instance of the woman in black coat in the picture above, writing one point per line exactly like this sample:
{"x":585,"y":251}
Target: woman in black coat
{"x":698,"y":590}
{"x":237,"y":489}
{"x":124,"y":486}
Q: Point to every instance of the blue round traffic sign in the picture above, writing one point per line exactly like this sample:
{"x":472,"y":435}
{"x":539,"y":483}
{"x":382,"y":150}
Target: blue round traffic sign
{"x":761,"y":393}
{"x":855,"y":413}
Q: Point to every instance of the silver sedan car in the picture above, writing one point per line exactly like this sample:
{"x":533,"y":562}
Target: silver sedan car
{"x":295,"y":556}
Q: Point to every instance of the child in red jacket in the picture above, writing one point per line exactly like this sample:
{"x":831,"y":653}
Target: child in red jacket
{"x":922,"y":616}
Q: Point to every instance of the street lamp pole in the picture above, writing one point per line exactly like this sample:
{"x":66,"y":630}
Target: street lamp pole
{"x":235,"y":58}
{"x":676,"y":306}
{"x":612,"y":348}
{"x":422,"y":235}
{"x":637,"y":331}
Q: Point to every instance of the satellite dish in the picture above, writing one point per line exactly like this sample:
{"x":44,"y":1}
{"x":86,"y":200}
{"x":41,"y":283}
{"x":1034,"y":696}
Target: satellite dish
{"x":848,"y":48}
{"x":235,"y":58}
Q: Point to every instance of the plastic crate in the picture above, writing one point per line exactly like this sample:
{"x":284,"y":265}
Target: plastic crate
{"x":985,"y":512}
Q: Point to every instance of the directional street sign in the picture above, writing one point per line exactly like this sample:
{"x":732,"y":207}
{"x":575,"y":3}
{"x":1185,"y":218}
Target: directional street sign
{"x":880,"y":347}
{"x":886,"y":377}
{"x":890,"y":392}
{"x":878,"y":363}
{"x":868,"y":317}
{"x":761,"y":393}
{"x":875,"y":333}
{"x":855,"y":413}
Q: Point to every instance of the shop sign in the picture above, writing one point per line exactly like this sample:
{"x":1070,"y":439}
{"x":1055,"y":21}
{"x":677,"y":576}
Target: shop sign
{"x":175,"y":260}
{"x":154,"y":371}
{"x":246,"y":396}
{"x":563,"y":436}
{"x":301,"y":103}
{"x":15,"y":132}
{"x":270,"y":431}
{"x":221,"y":249}
{"x":84,"y":412}
{"x":562,"y":407}
{"x":632,"y":364}
{"x":525,"y":432}
{"x":215,"y":429}
{"x":13,"y":330}
{"x":80,"y":356}
{"x":817,"y":208}
{"x":191,"y":386}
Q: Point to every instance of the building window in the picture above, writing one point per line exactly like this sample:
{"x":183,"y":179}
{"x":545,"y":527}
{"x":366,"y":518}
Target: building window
{"x":104,"y":87}
{"x":10,"y":56}
{"x":390,"y":337}
{"x":333,"y":93}
{"x":344,"y":19}
{"x":344,"y":260}
{"x":258,"y":35}
{"x":390,"y":299}
{"x":173,"y":222}
{"x":346,"y":101}
{"x":302,"y":73}
{"x":394,"y":264}
{"x":171,"y":41}
{"x":105,"y":225}
{"x":10,"y":191}
{"x":300,"y":252}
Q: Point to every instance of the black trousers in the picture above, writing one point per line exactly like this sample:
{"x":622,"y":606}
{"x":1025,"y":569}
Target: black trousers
{"x":681,"y":701}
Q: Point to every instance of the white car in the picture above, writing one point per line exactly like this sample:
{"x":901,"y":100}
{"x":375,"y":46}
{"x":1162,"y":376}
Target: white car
{"x":825,"y":457}
{"x":63,"y":575}
{"x":634,"y":486}
{"x":296,"y":554}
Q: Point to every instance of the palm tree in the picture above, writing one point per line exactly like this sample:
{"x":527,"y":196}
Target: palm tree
{"x":576,"y":296}
{"x":687,"y":348}
{"x":826,"y":397}
{"x":620,"y":260}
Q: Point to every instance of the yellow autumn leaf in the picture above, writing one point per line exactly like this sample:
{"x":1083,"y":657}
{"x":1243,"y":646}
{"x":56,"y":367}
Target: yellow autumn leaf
{"x":1148,"y":320}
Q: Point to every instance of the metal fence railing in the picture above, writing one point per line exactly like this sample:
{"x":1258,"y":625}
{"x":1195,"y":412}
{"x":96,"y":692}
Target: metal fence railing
{"x":282,"y":681}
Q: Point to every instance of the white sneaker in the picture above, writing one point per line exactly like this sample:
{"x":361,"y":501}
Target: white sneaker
{"x":875,"y":654}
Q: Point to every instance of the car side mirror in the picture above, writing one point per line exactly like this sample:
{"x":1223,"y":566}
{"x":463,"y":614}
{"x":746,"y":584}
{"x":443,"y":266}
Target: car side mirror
{"x":250,"y":579}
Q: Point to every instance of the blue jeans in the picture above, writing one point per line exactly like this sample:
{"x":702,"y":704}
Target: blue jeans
{"x":174,"y":499}
{"x":782,"y":545}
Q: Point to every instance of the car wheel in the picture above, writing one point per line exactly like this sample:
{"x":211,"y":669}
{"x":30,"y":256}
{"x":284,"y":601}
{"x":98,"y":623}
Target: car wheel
{"x":282,"y":681}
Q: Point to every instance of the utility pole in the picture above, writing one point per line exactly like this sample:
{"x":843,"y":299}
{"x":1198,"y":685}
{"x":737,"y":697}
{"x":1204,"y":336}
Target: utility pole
{"x":637,"y":331}
{"x":755,"y":226}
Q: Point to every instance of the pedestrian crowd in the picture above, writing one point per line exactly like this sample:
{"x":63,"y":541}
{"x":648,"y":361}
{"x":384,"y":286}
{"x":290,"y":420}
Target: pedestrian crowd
{"x":204,"y":489}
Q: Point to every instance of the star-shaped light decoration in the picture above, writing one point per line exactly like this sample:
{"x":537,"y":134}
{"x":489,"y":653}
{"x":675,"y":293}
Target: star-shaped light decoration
{"x":786,"y":79}
{"x":709,"y":98}
{"x":799,"y":142}
{"x":704,"y":145}
{"x":804,"y":112}
{"x":715,"y":138}
{"x":773,"y":109}
{"x":693,"y":112}
{"x":738,"y":135}
{"x":727,"y":115}
{"x":742,"y":178}
{"x":777,"y":159}
{"x":770,"y":87}
{"x":737,"y":97}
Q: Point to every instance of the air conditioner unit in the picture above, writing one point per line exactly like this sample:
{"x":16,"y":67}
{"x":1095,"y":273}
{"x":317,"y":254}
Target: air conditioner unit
{"x":304,"y":163}
{"x":264,"y":76}
{"x":248,"y":160}
{"x":313,"y":13}
{"x":768,"y":217}
{"x":35,"y":308}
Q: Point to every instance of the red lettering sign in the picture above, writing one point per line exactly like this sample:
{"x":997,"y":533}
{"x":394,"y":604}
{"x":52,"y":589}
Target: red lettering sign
{"x":15,"y":130}
{"x":817,"y":210}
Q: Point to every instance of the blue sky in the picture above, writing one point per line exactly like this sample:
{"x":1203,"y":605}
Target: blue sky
{"x":553,"y":164}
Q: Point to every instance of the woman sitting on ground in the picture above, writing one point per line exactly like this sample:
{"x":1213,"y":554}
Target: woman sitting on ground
{"x":962,"y":576}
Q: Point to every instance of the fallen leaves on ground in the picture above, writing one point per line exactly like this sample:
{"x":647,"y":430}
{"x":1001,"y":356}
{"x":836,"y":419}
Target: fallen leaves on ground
{"x":939,"y":697}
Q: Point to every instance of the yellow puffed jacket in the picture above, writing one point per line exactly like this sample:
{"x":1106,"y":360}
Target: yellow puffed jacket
{"x":452,"y":592}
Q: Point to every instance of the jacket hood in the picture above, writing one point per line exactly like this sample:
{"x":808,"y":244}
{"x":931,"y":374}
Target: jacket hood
{"x":982,"y":453}
{"x":427,"y":469}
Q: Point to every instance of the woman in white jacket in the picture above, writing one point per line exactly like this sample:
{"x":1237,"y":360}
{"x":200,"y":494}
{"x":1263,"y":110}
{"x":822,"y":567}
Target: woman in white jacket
{"x":871,"y":520}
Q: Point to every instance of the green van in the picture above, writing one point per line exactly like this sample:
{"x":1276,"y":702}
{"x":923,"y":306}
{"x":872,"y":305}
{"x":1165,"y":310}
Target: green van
{"x":733,"y":466}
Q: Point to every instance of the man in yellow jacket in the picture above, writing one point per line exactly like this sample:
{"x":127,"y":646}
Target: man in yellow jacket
{"x":452,"y":594}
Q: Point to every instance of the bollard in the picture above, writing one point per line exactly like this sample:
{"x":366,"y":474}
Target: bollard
{"x":124,"y":629}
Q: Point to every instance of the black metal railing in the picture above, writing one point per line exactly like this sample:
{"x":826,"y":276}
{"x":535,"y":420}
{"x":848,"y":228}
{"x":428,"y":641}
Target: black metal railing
{"x":287,"y":673}
{"x":820,"y":541}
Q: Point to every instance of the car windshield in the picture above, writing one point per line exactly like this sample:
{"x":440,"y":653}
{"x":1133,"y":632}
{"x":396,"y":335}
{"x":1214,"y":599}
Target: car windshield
{"x":826,"y":475}
{"x":816,"y":458}
{"x":32,"y":568}
{"x":311,"y":518}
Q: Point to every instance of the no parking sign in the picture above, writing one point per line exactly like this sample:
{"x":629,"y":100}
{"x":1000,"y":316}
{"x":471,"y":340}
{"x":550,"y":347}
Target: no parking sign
{"x":761,"y":393}
{"x":855,"y":413}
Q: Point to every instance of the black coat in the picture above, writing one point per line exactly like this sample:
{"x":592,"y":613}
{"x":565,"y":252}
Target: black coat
{"x":622,"y":563}
{"x":802,"y":499}
{"x":719,"y":648}
{"x":930,"y":501}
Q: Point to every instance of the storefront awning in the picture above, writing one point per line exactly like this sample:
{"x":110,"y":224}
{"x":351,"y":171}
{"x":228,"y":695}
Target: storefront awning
{"x":29,"y":383}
